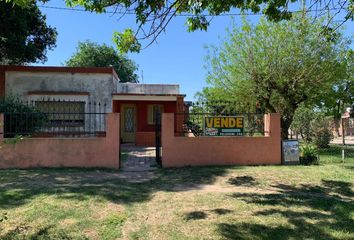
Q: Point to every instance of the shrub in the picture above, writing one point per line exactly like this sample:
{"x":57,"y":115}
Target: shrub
{"x":20,"y":118}
{"x":314,"y":127}
{"x":302,"y":123}
{"x":194,"y":128}
{"x":309,"y":154}
{"x":321,"y":131}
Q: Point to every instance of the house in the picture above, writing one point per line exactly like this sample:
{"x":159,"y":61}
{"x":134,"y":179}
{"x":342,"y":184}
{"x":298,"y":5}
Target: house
{"x":348,"y":121}
{"x":82,"y":90}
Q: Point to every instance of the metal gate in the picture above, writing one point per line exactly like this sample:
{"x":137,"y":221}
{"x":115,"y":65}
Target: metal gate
{"x":158,"y":138}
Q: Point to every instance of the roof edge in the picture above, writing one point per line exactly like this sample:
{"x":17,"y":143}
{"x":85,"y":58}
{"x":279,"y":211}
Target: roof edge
{"x":147,"y":94}
{"x":59,"y":69}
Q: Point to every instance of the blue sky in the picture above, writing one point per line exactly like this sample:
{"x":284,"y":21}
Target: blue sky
{"x":177,"y":58}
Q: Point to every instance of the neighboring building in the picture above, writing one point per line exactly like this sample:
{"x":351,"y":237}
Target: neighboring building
{"x":348,"y":123}
{"x":66,"y":88}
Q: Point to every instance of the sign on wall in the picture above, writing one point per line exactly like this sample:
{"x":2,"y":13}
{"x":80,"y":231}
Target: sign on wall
{"x":290,"y":151}
{"x":223,"y":126}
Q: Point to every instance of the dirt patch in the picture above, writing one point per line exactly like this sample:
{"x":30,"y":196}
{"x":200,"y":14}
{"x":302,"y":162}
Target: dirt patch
{"x":137,"y":177}
{"x":219,"y":188}
{"x":91,"y":234}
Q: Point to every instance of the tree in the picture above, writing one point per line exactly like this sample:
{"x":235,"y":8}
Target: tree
{"x":280,"y":65}
{"x":153,"y":17}
{"x":313,"y":126}
{"x":342,"y":94}
{"x":24,"y":35}
{"x":301,"y":124}
{"x":91,"y":54}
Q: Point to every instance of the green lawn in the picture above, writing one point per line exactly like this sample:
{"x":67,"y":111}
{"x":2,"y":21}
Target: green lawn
{"x":333,"y":154}
{"x":264,"y":202}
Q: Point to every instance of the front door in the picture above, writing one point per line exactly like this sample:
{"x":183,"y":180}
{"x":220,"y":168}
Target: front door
{"x":128,"y":122}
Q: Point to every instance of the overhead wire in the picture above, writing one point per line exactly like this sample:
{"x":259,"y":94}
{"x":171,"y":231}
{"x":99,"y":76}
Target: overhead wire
{"x":182,"y":14}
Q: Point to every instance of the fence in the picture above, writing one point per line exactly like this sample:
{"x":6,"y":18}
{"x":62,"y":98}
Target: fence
{"x":227,"y":150}
{"x":197,"y":116}
{"x":63,"y":151}
{"x":57,"y":119}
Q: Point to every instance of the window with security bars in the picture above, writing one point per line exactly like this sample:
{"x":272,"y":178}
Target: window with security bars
{"x":68,"y":114}
{"x":153,"y":109}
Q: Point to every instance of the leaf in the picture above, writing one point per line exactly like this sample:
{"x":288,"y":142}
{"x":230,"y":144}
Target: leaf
{"x":126,"y":41}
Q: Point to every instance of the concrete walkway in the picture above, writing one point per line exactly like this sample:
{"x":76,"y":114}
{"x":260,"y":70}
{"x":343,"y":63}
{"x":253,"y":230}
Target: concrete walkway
{"x":138,"y":159}
{"x":348,"y":140}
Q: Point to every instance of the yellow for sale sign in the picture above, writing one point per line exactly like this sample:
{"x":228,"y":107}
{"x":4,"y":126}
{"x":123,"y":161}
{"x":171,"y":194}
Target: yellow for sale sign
{"x":223,"y":126}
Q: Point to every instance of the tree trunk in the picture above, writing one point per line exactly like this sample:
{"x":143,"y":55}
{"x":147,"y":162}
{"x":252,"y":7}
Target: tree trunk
{"x":285,"y":125}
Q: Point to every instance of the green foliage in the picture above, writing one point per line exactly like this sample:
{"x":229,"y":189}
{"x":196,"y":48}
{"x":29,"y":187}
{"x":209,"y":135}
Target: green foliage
{"x":14,"y":140}
{"x":157,"y":14}
{"x":20,"y":119}
{"x":301,"y":124}
{"x":12,"y":104}
{"x":126,"y":41}
{"x":314,"y":127}
{"x":280,"y":65}
{"x":111,"y":228}
{"x":341,"y":95}
{"x":309,"y":154}
{"x":195,"y":127}
{"x":198,"y":22}
{"x":153,"y":17}
{"x":24,"y":35}
{"x":91,"y":54}
{"x":322,"y":131}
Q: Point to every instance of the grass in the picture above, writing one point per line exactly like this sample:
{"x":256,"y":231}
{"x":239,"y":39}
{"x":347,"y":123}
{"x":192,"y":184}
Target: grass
{"x":260,"y":202}
{"x":333,"y":154}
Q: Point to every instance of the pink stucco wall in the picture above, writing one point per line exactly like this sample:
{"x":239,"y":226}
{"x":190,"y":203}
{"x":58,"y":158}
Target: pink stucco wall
{"x":63,"y":152}
{"x":202,"y":151}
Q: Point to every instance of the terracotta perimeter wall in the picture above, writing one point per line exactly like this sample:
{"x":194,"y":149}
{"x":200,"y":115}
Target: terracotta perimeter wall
{"x":204,"y":151}
{"x":63,"y":152}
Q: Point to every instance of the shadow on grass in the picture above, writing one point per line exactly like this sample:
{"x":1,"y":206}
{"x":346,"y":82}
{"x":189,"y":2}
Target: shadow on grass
{"x":350,"y":167}
{"x":329,"y":207}
{"x":18,"y":187}
{"x":41,"y":233}
{"x":195,"y":215}
{"x":221,"y":211}
{"x":246,"y":181}
{"x":198,"y":215}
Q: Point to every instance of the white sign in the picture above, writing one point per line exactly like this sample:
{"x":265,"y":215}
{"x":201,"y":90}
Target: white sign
{"x":290,"y":152}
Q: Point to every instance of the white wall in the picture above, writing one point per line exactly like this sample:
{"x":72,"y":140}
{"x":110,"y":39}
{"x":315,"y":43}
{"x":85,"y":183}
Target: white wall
{"x":148,"y":88}
{"x":99,"y":85}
